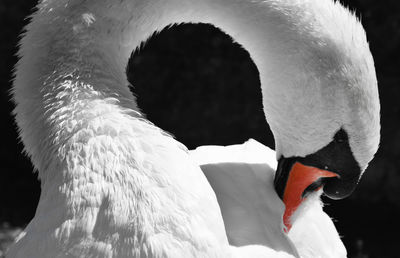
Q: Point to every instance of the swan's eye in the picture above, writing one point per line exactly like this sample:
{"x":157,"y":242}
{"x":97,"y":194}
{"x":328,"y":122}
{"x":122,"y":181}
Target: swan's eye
{"x":340,"y":136}
{"x":339,"y":140}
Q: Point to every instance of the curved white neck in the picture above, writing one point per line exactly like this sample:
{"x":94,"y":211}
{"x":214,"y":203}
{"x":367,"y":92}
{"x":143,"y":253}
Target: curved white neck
{"x":298,"y":48}
{"x":83,"y":52}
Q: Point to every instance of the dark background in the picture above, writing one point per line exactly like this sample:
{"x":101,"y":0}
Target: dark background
{"x":195,"y":83}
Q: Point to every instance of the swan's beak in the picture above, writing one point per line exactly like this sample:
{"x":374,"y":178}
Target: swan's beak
{"x":301,"y":180}
{"x":333,"y":167}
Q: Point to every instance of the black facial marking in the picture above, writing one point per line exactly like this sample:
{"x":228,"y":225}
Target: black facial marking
{"x":282,"y":174}
{"x":335,"y":157}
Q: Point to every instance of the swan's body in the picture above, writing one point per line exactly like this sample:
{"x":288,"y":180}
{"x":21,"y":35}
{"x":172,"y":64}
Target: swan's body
{"x":242,"y":178}
{"x":114,"y":185}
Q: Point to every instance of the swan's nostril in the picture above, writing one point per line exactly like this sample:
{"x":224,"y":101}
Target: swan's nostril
{"x":315,"y":186}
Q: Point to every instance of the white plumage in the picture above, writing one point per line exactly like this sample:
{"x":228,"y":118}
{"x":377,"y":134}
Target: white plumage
{"x":113,"y":184}
{"x":242,"y":178}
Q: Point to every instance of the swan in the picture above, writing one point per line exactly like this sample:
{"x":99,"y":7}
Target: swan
{"x":115,"y":185}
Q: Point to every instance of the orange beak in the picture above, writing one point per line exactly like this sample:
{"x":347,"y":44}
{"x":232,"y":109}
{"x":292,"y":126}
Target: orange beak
{"x":300,"y":177}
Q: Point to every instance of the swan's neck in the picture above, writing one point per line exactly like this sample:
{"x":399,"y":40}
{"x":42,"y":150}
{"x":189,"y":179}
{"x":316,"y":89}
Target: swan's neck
{"x":74,"y":70}
{"x":84,"y":53}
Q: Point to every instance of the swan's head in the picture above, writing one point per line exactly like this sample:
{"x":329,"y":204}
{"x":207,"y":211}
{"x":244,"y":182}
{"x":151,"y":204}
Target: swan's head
{"x":321,"y":101}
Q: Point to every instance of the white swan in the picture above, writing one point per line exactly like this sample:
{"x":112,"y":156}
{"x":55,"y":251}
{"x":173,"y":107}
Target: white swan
{"x":114,"y":185}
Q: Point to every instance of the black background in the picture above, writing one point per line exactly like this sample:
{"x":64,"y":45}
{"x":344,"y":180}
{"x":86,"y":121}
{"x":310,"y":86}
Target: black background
{"x":195,"y":83}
